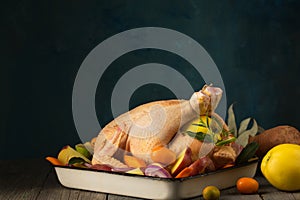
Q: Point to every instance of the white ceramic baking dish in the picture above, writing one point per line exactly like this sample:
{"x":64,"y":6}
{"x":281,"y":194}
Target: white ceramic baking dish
{"x":151,"y":187}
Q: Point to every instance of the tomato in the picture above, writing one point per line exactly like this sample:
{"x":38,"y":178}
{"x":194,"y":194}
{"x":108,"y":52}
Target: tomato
{"x":247,"y":185}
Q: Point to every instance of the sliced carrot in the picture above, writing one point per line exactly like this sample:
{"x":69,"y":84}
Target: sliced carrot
{"x":54,"y":161}
{"x":184,"y":173}
{"x":228,"y":165}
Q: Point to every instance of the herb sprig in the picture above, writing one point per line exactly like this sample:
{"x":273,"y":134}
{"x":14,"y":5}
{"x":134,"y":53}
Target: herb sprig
{"x":215,"y":133}
{"x":219,"y":136}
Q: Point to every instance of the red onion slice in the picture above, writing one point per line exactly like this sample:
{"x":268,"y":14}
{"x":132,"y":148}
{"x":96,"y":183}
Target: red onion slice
{"x":157,"y":171}
{"x":118,"y":169}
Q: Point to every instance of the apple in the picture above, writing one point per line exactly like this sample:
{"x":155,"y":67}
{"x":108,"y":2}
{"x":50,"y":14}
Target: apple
{"x":184,"y":160}
{"x":201,"y":165}
{"x":137,"y":171}
{"x":81,"y":148}
{"x":67,"y":153}
{"x":134,"y":162}
{"x":196,"y":167}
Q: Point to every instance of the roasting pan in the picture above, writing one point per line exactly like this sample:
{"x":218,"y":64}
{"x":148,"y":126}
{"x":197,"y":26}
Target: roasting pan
{"x":151,"y":187}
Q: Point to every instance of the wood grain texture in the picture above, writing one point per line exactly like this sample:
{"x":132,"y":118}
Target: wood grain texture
{"x":52,"y":189}
{"x":118,"y":197}
{"x":233,"y":194}
{"x":36,"y":180}
{"x":296,"y":195}
{"x":22,"y":179}
{"x":278,"y":195}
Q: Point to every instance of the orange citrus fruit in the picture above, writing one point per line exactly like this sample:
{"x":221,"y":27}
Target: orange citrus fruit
{"x":247,"y":185}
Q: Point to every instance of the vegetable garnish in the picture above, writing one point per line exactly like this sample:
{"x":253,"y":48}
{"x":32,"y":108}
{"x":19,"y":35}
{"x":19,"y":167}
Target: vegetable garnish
{"x":247,"y":153}
{"x":213,"y":131}
{"x":242,"y":134}
{"x":54,"y":161}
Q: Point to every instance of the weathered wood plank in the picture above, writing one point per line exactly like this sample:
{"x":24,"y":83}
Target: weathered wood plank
{"x":74,"y":194}
{"x":118,"y":197}
{"x":9,"y":178}
{"x":278,"y":195}
{"x":22,"y":179}
{"x":233,"y":194}
{"x":83,"y":195}
{"x":53,"y":190}
{"x":264,"y":186}
{"x":296,"y":195}
{"x":268,"y":192}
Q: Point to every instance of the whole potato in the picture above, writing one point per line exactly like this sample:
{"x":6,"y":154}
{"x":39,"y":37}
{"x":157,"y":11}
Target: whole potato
{"x":275,"y":136}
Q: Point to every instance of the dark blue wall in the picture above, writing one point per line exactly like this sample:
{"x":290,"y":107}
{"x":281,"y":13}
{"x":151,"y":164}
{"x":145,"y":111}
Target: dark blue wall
{"x":255,"y":44}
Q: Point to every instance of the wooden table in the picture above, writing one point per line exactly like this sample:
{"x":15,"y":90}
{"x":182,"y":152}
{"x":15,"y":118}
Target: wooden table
{"x":36,"y":179}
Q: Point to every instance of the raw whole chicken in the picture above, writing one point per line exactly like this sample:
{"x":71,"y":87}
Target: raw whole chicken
{"x":153,"y":124}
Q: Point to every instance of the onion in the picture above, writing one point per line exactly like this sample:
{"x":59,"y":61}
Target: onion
{"x":87,"y":165}
{"x":121,"y":169}
{"x":157,"y":170}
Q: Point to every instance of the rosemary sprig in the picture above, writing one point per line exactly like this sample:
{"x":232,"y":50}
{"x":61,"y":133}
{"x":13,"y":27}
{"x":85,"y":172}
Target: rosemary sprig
{"x":227,"y":141}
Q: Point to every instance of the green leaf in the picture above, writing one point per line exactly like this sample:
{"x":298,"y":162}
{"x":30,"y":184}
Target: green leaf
{"x":74,"y":160}
{"x":227,"y":141}
{"x":247,"y":153}
{"x":68,"y":153}
{"x":201,"y":121}
{"x":254,"y":128}
{"x":215,"y":126}
{"x":200,"y":136}
{"x":208,"y":138}
{"x":201,"y":125}
{"x":225,"y":133}
{"x":231,"y":121}
{"x":207,"y":122}
{"x":260,"y":129}
{"x":244,"y":137}
{"x":244,"y":125}
{"x":83,"y":150}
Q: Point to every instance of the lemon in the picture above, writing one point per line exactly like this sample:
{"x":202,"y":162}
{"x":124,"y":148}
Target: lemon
{"x":211,"y":193}
{"x":195,"y":126}
{"x":281,"y":167}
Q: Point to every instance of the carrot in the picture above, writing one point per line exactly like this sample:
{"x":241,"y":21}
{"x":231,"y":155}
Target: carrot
{"x":184,"y":173}
{"x":228,"y":165}
{"x":54,"y":161}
